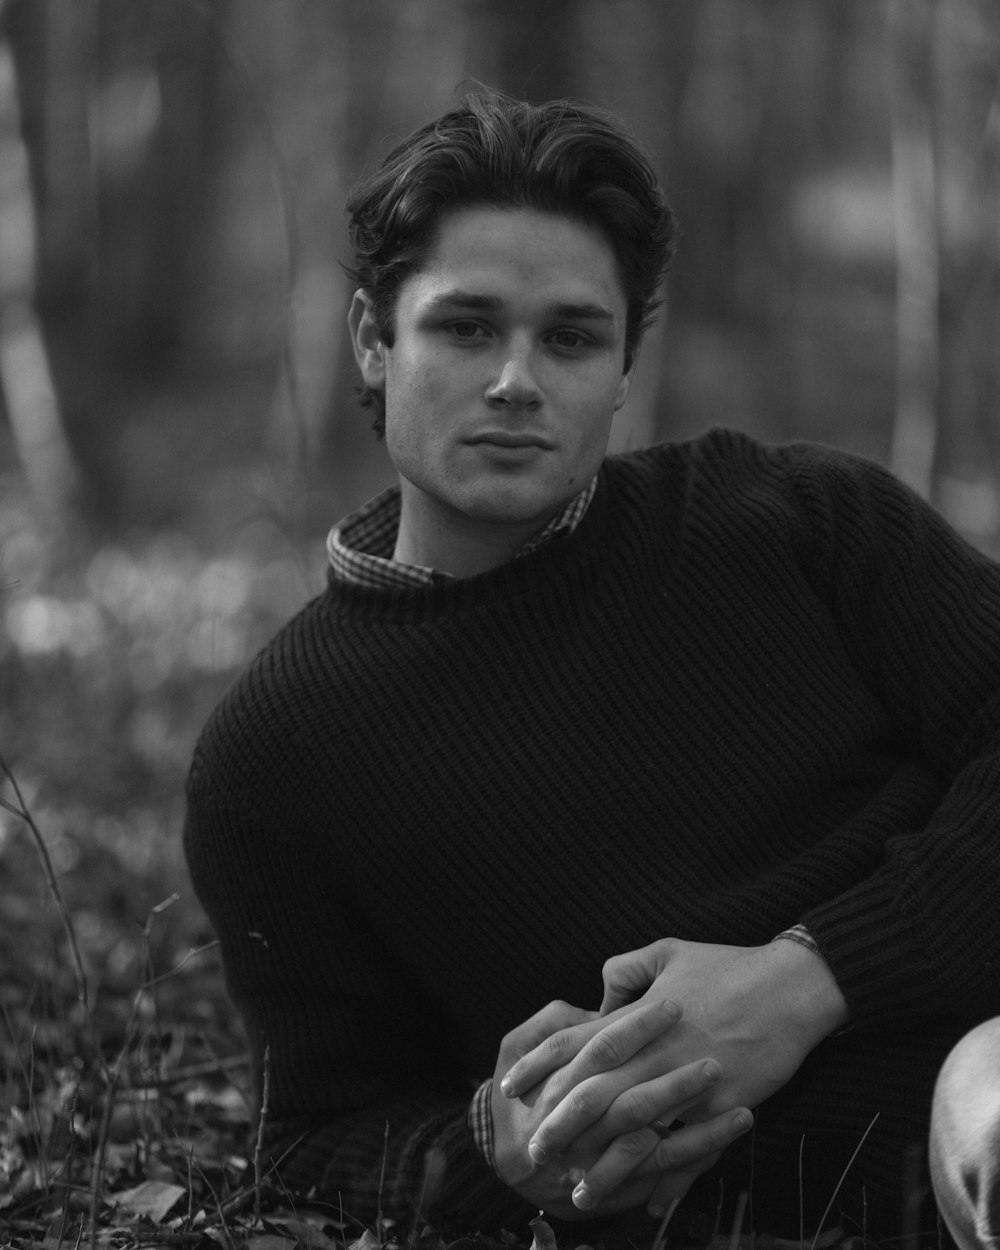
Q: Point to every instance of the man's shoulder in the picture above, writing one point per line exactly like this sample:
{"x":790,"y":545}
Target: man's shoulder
{"x":258,"y":717}
{"x":717,"y":446}
{"x":727,"y":486}
{"x":734,"y":456}
{"x":674,"y":468}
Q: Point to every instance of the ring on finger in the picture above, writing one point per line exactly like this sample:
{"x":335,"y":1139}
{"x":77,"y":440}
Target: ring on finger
{"x":662,"y":1130}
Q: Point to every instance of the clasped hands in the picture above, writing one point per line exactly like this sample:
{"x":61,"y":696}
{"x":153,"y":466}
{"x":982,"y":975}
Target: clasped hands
{"x":713,"y":1032}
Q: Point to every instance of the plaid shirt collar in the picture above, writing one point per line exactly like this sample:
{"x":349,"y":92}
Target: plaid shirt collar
{"x":360,"y":548}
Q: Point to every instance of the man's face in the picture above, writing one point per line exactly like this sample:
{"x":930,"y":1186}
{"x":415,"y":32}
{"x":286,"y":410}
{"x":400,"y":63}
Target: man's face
{"x":506,"y":366}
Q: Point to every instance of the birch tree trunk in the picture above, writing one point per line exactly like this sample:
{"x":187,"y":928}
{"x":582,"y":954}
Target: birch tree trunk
{"x":915,"y":206}
{"x":29,"y":395}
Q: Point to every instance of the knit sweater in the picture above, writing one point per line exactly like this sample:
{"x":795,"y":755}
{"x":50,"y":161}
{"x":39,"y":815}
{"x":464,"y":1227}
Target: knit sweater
{"x":757,"y":686}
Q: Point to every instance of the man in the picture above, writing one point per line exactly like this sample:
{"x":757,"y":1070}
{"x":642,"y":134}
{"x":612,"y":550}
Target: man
{"x":720,"y":719}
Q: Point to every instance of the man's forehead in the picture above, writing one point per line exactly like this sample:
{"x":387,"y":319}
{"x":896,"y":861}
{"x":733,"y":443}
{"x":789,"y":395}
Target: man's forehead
{"x":486,"y":254}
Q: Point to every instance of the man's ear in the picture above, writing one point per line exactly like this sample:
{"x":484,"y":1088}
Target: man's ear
{"x":366,"y":339}
{"x":625,"y":382}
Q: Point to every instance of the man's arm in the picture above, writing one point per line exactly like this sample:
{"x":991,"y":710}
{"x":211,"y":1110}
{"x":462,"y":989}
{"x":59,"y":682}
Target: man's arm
{"x":917,"y":611}
{"x":366,"y":1107}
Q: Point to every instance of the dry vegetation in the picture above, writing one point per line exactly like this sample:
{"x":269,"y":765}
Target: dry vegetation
{"x":124,"y":1111}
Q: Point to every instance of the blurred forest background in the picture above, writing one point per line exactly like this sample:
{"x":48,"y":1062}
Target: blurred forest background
{"x":178,"y":427}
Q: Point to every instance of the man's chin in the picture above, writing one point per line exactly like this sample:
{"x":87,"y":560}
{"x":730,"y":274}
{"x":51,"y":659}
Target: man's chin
{"x":513,"y":510}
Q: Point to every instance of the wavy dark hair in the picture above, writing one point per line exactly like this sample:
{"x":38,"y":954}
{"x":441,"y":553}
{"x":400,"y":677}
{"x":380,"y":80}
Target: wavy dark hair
{"x":499,"y":152}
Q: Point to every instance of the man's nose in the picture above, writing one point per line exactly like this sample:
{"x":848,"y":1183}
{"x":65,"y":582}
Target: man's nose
{"x":515,"y":384}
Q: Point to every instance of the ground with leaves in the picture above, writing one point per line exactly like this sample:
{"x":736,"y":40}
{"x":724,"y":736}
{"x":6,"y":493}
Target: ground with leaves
{"x":124,"y":1113}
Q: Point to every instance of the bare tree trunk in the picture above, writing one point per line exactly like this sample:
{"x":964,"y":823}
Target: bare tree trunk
{"x":914,"y":181}
{"x":310,"y":74}
{"x":25,"y":378}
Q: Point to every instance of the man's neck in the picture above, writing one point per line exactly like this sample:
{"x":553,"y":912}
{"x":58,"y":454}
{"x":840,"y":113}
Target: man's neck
{"x":451,"y":542}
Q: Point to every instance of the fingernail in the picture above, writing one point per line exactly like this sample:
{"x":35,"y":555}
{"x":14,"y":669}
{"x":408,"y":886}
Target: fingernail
{"x":711,"y":1071}
{"x":507,"y":1086}
{"x":743,"y":1122}
{"x":536,"y":1152}
{"x":583,"y":1198}
{"x":656,"y":1211}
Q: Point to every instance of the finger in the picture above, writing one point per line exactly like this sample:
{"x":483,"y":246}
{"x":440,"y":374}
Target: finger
{"x":624,"y":1110}
{"x":675,"y":1183}
{"x":540,"y":1049}
{"x":554,"y":1019}
{"x":689,"y":1147}
{"x":623,"y":1037}
{"x":682,"y":1156}
{"x":591,"y":1048}
{"x":672,"y":1188}
{"x":627,"y":976}
{"x":618,"y":1164}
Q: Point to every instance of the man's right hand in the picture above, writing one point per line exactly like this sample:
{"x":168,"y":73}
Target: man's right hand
{"x":637,"y":1156}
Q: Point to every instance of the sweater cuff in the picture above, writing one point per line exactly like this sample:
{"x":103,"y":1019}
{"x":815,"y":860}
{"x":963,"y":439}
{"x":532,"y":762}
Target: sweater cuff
{"x":875,"y":956}
{"x":481,"y":1122}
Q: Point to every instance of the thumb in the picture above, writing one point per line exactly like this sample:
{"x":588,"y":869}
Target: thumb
{"x":627,"y":976}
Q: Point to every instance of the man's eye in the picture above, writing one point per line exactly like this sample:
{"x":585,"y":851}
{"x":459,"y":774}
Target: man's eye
{"x":568,"y":339}
{"x":466,"y":329}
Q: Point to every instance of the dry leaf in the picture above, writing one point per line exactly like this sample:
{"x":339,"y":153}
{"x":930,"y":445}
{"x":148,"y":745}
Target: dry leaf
{"x":152,"y":1199}
{"x":367,"y":1241}
{"x":544,"y":1238}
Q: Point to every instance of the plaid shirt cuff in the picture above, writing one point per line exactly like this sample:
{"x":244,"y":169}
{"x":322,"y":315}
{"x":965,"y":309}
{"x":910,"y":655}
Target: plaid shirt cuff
{"x":799,"y":933}
{"x":481,"y":1122}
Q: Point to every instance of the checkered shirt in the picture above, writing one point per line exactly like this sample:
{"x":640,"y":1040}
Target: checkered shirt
{"x":360,"y":548}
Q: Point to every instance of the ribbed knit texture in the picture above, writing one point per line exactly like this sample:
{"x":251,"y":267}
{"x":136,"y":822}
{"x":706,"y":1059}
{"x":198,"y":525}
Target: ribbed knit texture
{"x":756,"y":687}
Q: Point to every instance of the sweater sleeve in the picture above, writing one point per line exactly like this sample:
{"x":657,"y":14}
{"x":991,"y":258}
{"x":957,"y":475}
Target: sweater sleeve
{"x":918,"y":611}
{"x":364,"y":1108}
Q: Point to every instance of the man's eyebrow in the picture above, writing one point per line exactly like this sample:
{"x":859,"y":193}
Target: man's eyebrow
{"x":583,"y":312}
{"x":473,"y":302}
{"x":464,"y":300}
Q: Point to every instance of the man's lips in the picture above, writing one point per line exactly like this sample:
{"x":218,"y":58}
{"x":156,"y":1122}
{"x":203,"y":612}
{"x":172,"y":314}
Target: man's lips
{"x":508,"y":438}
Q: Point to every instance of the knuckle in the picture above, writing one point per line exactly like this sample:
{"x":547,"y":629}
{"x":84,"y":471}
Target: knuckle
{"x":633,"y":1107}
{"x":557,"y":1046}
{"x":555,"y":1014}
{"x":666,"y":1155}
{"x":607,"y":1049}
{"x":584,"y":1100}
